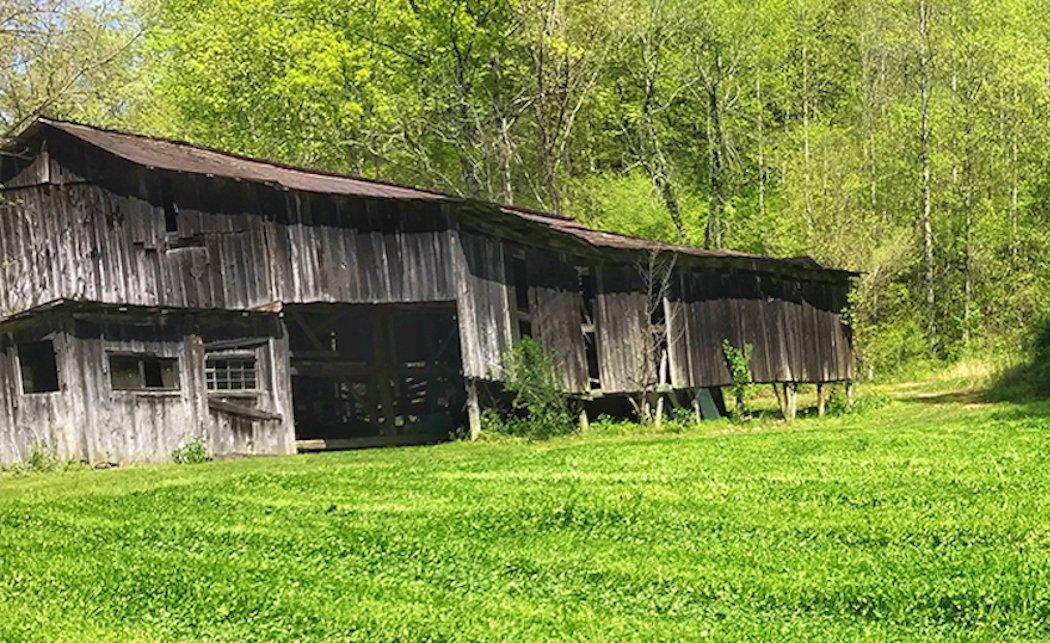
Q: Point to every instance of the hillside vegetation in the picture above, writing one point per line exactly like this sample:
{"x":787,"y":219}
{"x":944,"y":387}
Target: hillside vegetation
{"x":906,"y":139}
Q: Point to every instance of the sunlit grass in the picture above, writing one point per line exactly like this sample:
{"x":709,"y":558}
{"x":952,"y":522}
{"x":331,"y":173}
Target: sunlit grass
{"x":925,"y":518}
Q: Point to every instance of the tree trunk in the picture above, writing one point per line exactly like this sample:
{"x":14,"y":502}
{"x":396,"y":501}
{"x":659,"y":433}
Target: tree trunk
{"x":1013,"y":178}
{"x":716,"y":169}
{"x":504,"y":156}
{"x":806,"y":172}
{"x":503,"y":123}
{"x":926,"y":217}
{"x":967,"y":235}
{"x":760,"y":128}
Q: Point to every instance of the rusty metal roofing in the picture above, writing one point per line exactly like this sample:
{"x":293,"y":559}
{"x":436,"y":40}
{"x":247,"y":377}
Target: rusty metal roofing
{"x":178,"y":156}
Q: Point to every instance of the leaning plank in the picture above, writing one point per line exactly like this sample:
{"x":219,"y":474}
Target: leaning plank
{"x":241,"y":410}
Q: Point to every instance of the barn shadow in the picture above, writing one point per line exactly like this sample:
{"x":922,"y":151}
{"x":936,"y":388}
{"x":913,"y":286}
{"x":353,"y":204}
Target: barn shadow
{"x":1007,"y":397}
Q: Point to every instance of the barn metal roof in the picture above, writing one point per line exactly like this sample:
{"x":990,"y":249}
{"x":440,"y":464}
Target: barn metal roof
{"x":179,"y":156}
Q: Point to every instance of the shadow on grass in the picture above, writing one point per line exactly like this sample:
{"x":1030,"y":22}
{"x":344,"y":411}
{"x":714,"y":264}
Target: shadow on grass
{"x":1013,"y":390}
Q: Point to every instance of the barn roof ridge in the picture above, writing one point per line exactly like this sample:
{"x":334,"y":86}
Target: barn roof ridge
{"x":181,"y":156}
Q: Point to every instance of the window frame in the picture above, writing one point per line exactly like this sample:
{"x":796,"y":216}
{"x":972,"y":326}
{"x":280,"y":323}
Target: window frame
{"x":234,"y":355}
{"x":142,"y":357}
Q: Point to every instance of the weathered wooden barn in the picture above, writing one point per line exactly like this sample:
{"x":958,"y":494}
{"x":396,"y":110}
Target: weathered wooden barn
{"x":153,"y":293}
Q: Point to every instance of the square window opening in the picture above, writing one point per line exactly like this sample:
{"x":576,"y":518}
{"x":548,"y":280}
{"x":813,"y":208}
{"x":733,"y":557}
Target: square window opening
{"x":38,"y":366}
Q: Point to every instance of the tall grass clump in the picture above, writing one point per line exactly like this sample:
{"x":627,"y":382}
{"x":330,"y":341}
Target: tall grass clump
{"x":739,"y":363}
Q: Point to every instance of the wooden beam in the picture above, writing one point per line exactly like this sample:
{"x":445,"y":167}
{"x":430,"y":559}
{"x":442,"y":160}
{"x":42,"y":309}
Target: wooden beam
{"x":473,"y":409}
{"x":821,"y":402}
{"x":405,"y":439}
{"x":241,"y":410}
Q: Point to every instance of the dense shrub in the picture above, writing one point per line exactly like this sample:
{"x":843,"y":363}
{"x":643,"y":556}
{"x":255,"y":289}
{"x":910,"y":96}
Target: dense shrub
{"x":190,"y":453}
{"x":540,"y":404}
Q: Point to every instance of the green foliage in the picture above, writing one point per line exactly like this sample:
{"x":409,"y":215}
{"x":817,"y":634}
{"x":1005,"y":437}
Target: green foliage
{"x":838,"y":403}
{"x":1040,"y":355}
{"x":540,"y":403}
{"x":920,"y":522}
{"x":190,"y":453}
{"x":863,"y":403}
{"x":41,"y":459}
{"x":739,"y":363}
{"x":795,"y":123}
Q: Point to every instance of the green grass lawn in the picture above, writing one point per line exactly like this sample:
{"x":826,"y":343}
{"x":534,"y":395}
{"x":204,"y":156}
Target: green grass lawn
{"x":926,"y":518}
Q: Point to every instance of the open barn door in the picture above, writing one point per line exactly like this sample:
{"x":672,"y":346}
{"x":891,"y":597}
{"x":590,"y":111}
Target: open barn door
{"x":371,"y":375}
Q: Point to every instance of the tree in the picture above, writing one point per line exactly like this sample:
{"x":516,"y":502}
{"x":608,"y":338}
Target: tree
{"x":65,"y":58}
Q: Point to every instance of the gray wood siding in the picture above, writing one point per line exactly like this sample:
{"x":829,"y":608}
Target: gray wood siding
{"x":83,"y":242}
{"x":485,"y":300}
{"x":621,"y":329}
{"x":556,"y":310}
{"x":87,"y":420}
{"x":795,"y":328}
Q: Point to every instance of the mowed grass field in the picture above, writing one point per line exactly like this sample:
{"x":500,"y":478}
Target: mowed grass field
{"x":927,"y":518}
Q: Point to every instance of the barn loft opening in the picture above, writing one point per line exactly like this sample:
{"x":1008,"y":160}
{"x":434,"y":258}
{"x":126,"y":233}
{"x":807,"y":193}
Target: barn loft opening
{"x":374,"y":374}
{"x":38,"y":366}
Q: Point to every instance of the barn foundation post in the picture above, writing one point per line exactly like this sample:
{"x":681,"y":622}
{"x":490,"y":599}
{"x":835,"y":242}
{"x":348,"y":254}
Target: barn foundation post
{"x":473,"y":409}
{"x":585,"y":423}
{"x":789,"y":404}
{"x":849,"y":393}
{"x":696,"y":406}
{"x":820,"y":399}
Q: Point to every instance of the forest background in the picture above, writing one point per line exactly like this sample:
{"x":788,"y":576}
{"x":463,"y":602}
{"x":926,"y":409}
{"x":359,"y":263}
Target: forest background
{"x":905,"y":139}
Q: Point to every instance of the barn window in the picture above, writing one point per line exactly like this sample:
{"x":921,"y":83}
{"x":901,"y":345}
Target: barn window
{"x":36,"y":361}
{"x":143,"y":373}
{"x":231,"y":373}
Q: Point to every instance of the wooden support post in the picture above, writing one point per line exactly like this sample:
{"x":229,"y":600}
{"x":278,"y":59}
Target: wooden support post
{"x":780,"y":390}
{"x":849,"y":392}
{"x":820,"y":399}
{"x":585,"y":423}
{"x":790,"y":400}
{"x":473,"y":409}
{"x":659,"y":409}
{"x":696,"y":407}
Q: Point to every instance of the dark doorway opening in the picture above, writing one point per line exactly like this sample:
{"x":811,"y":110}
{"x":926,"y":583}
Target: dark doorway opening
{"x":369,"y":375}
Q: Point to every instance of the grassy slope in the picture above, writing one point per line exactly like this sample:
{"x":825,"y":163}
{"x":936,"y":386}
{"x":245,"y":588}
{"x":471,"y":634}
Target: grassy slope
{"x":928,"y":517}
